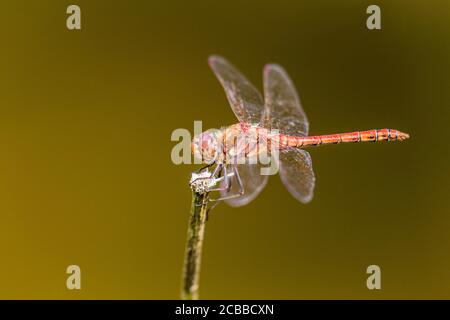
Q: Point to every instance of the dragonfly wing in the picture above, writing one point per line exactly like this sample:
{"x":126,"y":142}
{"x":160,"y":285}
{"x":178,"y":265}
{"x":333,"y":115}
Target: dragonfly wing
{"x":245,"y":100}
{"x":283,"y":110}
{"x":297,"y":173}
{"x":252,"y":180}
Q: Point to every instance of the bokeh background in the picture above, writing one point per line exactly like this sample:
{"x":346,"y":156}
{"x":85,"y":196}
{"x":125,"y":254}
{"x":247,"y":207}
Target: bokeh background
{"x":86,"y":176}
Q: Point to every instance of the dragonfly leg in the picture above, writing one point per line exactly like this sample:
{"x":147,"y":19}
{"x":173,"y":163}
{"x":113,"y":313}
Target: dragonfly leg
{"x":232,"y":196}
{"x":215,"y":176}
{"x":227,"y":187}
{"x":217,"y":170}
{"x":239,"y":181}
{"x":210,"y":208}
{"x":236,"y":195}
{"x":226,"y":177}
{"x":204,"y":168}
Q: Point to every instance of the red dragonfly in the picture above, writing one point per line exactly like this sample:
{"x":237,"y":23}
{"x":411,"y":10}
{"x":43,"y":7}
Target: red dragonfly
{"x":235,"y":150}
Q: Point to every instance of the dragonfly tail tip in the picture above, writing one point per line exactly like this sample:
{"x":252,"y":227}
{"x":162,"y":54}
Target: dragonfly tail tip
{"x":403,"y":136}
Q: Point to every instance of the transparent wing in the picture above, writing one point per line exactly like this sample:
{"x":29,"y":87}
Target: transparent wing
{"x":297,"y":173}
{"x":283,"y":109}
{"x":252,"y":181}
{"x":245,"y":100}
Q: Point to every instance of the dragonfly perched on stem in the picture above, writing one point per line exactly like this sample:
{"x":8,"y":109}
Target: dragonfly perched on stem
{"x":277,"y":125}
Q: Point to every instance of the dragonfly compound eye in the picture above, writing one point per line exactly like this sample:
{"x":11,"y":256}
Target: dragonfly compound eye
{"x":206,"y":146}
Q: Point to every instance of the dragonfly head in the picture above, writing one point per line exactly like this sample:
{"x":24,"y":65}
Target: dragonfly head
{"x":207,"y":145}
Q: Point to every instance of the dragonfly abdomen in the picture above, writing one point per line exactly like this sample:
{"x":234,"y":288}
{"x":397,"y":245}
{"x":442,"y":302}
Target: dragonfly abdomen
{"x":356,"y":136}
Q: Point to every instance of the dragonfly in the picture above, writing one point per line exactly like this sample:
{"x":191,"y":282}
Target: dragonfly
{"x":275,"y":122}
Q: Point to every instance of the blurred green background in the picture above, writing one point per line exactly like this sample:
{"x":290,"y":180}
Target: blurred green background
{"x":86,"y":176}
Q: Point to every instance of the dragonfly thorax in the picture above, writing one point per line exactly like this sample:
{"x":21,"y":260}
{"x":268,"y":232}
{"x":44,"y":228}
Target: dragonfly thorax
{"x":233,"y":144}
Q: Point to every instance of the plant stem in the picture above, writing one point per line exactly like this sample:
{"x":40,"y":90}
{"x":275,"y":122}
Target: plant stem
{"x":193,"y":255}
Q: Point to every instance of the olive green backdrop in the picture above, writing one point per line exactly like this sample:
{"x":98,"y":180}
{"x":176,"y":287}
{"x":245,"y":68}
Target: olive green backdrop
{"x":86,"y":176}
